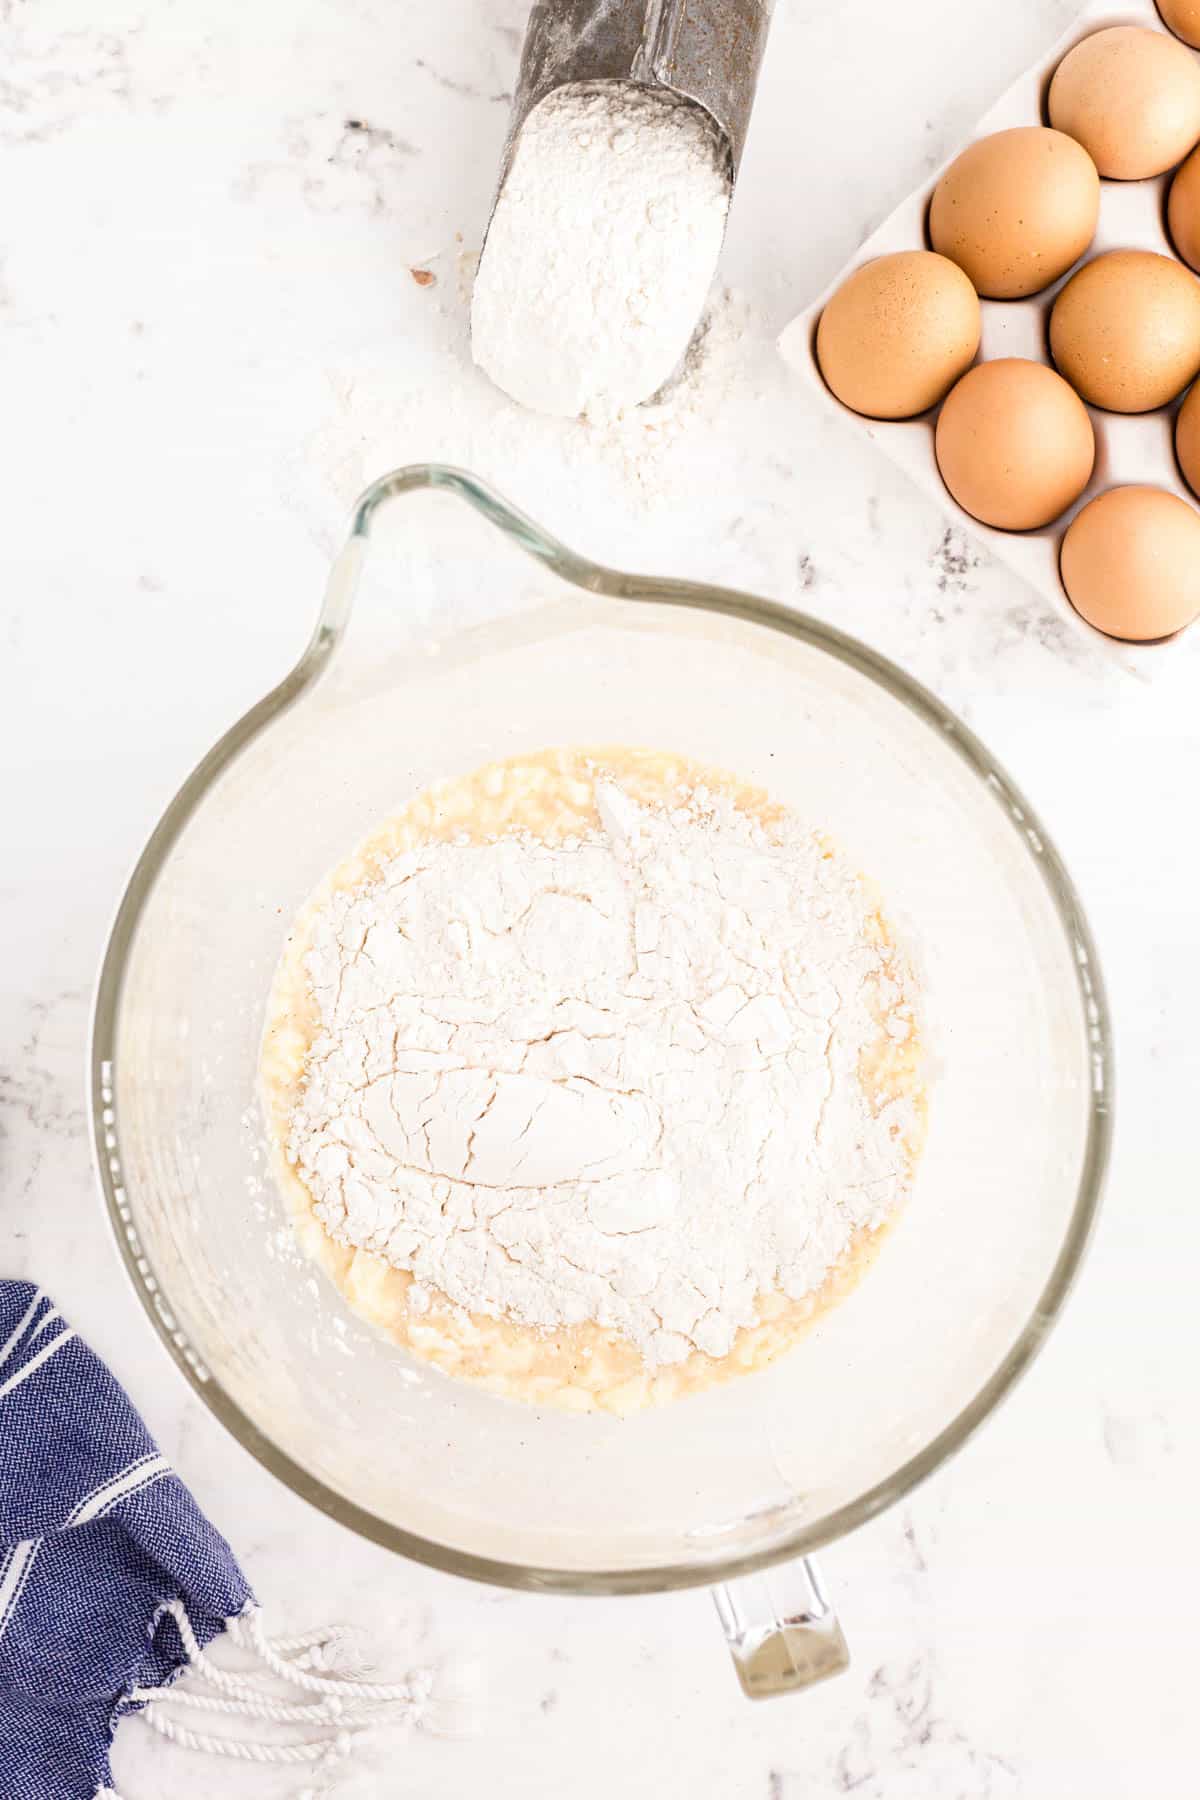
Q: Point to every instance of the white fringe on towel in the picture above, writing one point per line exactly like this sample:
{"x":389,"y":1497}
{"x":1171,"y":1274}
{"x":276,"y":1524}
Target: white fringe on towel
{"x":344,"y":1712}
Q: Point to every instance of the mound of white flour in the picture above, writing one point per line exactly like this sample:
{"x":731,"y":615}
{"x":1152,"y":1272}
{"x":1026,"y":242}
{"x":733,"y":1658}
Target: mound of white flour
{"x":601,"y":250}
{"x":613,"y":1079}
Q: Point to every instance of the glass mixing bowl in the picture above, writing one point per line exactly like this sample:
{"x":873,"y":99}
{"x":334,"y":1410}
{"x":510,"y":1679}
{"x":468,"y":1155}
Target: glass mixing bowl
{"x":488,"y":639}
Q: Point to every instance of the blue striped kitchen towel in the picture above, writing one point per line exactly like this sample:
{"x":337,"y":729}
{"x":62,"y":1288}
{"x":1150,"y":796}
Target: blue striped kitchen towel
{"x":112,"y":1583}
{"x":98,"y":1539}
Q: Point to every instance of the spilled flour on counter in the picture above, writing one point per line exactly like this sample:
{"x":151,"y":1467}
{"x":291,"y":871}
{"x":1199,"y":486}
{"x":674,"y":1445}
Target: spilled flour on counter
{"x":601,"y":249}
{"x":631,"y":1071}
{"x":381,"y":417}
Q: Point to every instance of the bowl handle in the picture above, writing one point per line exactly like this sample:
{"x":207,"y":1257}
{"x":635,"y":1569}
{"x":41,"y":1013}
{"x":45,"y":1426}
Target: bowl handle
{"x":782,"y":1632}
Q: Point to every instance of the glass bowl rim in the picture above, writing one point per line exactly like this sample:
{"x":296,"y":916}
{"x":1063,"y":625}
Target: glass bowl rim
{"x":595,"y":578}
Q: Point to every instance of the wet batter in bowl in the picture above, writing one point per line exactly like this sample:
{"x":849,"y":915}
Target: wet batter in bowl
{"x":593,"y":1077}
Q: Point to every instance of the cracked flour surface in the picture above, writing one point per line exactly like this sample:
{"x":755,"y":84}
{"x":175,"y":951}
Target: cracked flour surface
{"x":602,"y":1048}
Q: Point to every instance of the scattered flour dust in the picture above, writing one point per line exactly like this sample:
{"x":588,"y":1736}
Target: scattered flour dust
{"x":600,"y":1072}
{"x":384,"y":414}
{"x":601,"y":250}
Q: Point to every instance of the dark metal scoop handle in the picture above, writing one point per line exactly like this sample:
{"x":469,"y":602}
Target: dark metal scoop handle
{"x":706,"y":51}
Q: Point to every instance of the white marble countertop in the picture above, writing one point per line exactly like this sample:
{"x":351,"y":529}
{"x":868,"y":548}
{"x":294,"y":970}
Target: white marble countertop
{"x":210,"y":217}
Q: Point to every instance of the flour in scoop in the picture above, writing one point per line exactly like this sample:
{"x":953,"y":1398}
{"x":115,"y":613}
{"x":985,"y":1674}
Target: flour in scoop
{"x":635,"y":1062}
{"x":601,"y":250}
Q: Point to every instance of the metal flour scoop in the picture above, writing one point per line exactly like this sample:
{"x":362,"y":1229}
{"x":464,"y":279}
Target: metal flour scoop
{"x":705,"y":51}
{"x":600,"y":343}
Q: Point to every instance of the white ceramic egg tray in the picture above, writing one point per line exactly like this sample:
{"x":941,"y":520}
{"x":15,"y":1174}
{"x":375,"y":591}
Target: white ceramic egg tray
{"x":1129,"y":448}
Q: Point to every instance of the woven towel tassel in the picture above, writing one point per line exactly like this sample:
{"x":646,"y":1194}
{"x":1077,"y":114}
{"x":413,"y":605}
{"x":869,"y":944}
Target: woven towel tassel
{"x":248,"y":1631}
{"x":342,"y":1702}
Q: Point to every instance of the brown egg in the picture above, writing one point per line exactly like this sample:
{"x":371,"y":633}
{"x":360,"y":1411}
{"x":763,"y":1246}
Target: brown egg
{"x":898,"y":333}
{"x":1187,"y":439}
{"x":1131,"y":563}
{"x":1183,"y":17}
{"x":1183,"y":210}
{"x":1131,"y":96}
{"x":1016,"y":209}
{"x":1125,"y":331}
{"x":1014,"y":444}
